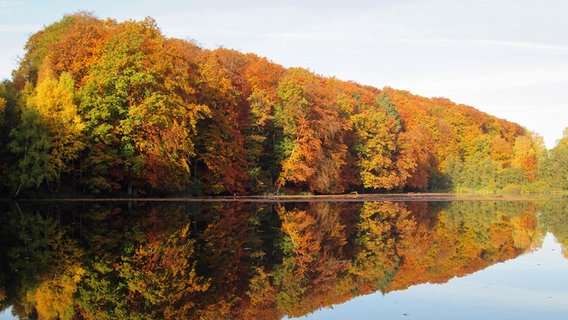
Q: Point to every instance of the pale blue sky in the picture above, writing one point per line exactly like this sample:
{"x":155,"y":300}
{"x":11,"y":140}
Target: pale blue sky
{"x":508,"y":58}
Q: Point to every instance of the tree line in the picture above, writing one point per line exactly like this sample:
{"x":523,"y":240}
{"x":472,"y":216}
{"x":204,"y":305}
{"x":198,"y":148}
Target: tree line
{"x":100,"y":106}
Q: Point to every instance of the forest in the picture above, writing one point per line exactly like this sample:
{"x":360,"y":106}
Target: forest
{"x":103,"y":107}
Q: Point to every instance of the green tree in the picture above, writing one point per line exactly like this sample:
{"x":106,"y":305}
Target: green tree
{"x":384,"y":103}
{"x":556,"y":166}
{"x":140,"y":110}
{"x":118,"y":81}
{"x":9,"y":119}
{"x":30,"y":142}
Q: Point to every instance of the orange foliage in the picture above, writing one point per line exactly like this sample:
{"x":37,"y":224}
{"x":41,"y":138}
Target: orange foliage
{"x":163,"y":114}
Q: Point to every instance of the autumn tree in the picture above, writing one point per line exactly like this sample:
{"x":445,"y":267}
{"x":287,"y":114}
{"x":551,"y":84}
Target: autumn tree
{"x":140,"y":111}
{"x":45,"y":262}
{"x":37,"y":48}
{"x":79,"y":47}
{"x":54,"y":297}
{"x":223,"y":150}
{"x":311,"y":149}
{"x":377,"y":148}
{"x":54,"y":101}
{"x":262,"y":297}
{"x":225,"y":256}
{"x":263,"y":77}
{"x":163,"y":115}
{"x":2,"y":107}
{"x":528,"y":152}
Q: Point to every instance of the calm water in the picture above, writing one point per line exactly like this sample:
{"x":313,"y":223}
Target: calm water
{"x":314,"y":260}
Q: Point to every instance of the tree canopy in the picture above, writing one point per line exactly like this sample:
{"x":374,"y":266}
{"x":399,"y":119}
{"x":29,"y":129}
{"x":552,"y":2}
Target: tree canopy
{"x":114,"y":107}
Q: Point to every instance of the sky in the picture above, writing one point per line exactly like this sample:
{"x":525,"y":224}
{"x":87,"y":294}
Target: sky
{"x":504,"y":57}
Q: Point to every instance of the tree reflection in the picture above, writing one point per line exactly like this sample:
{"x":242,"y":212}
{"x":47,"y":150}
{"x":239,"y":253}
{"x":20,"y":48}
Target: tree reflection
{"x":247,"y":261}
{"x":466,"y":237}
{"x":43,"y":264}
{"x":381,"y":226}
{"x":554,"y":218}
{"x":314,"y":246}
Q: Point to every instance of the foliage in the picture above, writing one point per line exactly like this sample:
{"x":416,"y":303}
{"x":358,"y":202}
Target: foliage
{"x":106,"y":106}
{"x":54,"y":101}
{"x":161,"y":276}
{"x":556,"y":166}
{"x":30,"y":142}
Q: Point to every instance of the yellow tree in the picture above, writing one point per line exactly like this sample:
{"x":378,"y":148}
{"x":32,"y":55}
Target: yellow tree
{"x":376,"y":146}
{"x":527,"y":152}
{"x":54,"y":103}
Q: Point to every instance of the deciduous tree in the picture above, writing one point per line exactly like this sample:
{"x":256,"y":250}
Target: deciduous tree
{"x":54,"y":101}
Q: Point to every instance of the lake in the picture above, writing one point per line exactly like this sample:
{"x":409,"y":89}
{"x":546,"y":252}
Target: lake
{"x":307,"y":260}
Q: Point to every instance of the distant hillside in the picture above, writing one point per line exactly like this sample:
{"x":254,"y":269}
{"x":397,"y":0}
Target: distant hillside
{"x":102,"y":106}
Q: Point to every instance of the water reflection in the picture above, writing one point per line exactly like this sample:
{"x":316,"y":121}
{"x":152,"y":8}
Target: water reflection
{"x":248,"y":261}
{"x":532,"y":286}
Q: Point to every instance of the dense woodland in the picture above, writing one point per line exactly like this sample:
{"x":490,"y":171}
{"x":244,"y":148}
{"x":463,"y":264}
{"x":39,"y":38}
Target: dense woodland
{"x":100,"y":106}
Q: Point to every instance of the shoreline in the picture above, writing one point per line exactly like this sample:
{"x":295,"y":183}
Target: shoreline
{"x":395,"y":197}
